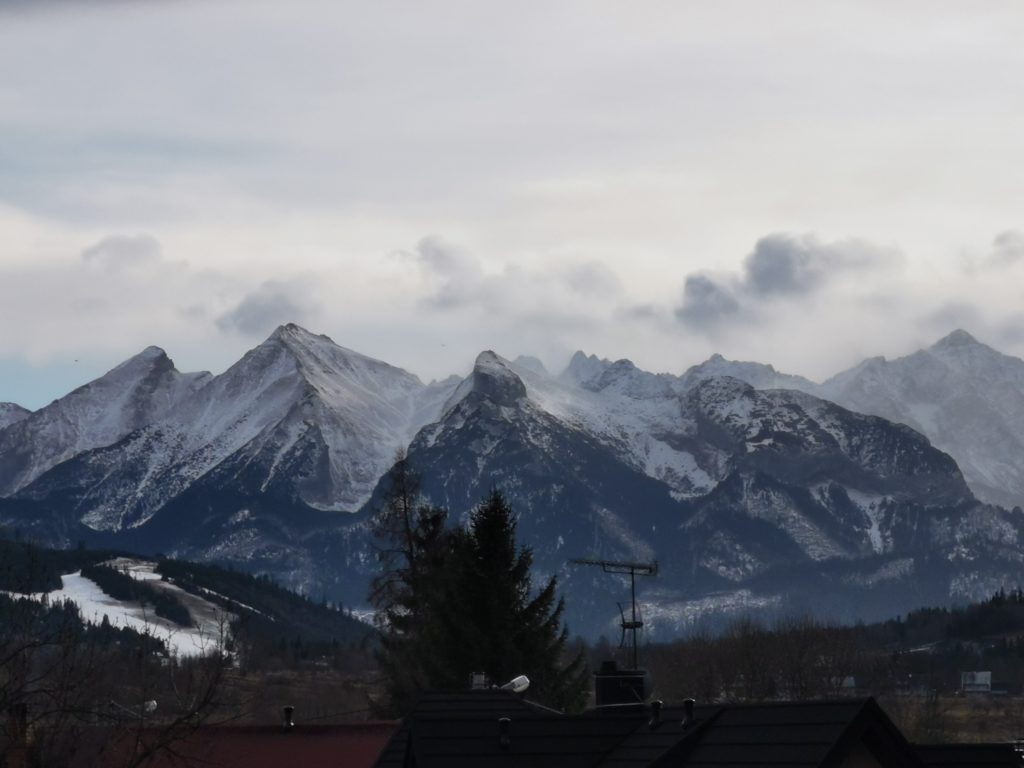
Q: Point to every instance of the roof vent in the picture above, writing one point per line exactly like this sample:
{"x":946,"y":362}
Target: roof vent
{"x":504,"y":740}
{"x":655,"y":720}
{"x":688,"y":717}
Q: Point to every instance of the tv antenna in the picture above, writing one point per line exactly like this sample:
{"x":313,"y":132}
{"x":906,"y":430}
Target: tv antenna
{"x":634,"y":570}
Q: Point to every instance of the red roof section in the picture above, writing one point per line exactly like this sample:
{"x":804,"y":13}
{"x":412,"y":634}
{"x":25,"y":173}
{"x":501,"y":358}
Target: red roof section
{"x":353,"y":745}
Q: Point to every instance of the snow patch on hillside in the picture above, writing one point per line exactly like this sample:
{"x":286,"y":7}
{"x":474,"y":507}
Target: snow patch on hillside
{"x":871,"y":505}
{"x":93,"y":604}
{"x":667,"y":617}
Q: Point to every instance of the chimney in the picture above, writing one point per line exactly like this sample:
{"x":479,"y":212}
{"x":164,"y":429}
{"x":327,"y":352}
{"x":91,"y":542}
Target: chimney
{"x":620,"y":686}
{"x":655,"y":720}
{"x":504,"y":740}
{"x":478,"y":681}
{"x":289,"y":718}
{"x":688,"y":718}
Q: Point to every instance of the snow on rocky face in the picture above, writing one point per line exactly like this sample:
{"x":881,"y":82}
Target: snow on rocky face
{"x":300,"y":409}
{"x":143,"y":389}
{"x":720,"y":481}
{"x":756,"y":375}
{"x":12,"y":413}
{"x":298,"y":417}
{"x":727,"y":474}
{"x":966,"y":397}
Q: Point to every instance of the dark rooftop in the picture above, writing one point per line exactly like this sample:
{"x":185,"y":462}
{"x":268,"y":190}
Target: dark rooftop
{"x":472,"y":728}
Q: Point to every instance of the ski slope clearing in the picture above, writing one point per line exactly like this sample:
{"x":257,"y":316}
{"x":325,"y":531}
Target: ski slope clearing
{"x":210,"y":620}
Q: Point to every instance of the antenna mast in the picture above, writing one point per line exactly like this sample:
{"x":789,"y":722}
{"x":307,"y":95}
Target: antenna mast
{"x":634,"y":570}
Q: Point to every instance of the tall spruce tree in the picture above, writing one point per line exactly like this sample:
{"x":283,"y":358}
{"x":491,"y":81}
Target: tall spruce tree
{"x":494,"y":623}
{"x":412,"y":540}
{"x":451,"y":602}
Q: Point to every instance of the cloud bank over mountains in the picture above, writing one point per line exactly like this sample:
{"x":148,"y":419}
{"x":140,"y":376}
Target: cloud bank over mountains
{"x":781,"y":267}
{"x":780,"y":181}
{"x":797,"y":299}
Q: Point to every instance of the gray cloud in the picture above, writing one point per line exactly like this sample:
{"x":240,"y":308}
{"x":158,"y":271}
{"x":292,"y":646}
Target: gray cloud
{"x":119,"y":251}
{"x":273,"y":303}
{"x":592,"y":278}
{"x":458,"y":280}
{"x":1007,"y":249}
{"x":40,"y":6}
{"x":781,"y":265}
{"x":456,"y":273}
{"x":646,"y":311}
{"x":1011,"y":331}
{"x":798,"y":264}
{"x":953,"y":314}
{"x":706,"y":302}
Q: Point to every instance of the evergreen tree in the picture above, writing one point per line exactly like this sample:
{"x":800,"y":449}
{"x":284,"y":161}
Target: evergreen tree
{"x":412,"y":540}
{"x":492,"y":622}
{"x":454,"y":602}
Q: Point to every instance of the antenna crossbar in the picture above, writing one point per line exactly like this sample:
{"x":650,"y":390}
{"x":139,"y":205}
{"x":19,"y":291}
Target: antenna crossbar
{"x":632,"y":570}
{"x":620,"y":566}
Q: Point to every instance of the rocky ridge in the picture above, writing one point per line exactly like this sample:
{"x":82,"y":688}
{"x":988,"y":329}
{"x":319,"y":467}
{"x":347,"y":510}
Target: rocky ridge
{"x":748,"y":494}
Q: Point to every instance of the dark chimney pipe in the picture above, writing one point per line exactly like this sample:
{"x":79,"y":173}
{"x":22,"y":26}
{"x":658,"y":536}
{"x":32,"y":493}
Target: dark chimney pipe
{"x":655,"y":720}
{"x":504,"y":740}
{"x":688,"y":717}
{"x":289,"y":721}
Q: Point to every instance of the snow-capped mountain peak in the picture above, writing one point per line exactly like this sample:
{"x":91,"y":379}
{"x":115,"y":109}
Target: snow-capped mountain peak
{"x":298,"y":418}
{"x":958,"y":338}
{"x":758,"y":375}
{"x":334,"y":371}
{"x":494,"y":378}
{"x":724,"y":471}
{"x":11,"y":413}
{"x":584,"y":368}
{"x":141,"y":390}
{"x":531,"y":363}
{"x":965,"y":396}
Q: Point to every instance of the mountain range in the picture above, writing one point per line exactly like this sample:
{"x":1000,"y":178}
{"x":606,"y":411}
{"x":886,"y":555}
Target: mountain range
{"x":890,"y":485}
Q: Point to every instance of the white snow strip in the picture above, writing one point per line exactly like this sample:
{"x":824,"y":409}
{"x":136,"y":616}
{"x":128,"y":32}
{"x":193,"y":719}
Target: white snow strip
{"x":93,"y":604}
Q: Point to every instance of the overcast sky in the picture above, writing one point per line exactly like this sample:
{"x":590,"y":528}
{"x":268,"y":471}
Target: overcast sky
{"x":801,"y":183}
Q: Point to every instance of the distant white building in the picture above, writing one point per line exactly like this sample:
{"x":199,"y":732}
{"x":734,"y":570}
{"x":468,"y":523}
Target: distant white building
{"x":976,"y":682}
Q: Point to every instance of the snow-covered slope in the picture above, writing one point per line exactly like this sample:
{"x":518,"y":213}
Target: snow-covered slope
{"x":298,"y":418}
{"x":95,"y":605}
{"x":140,"y":391}
{"x":966,"y":397}
{"x":727,"y":474}
{"x":724,"y":483}
{"x":11,"y":413}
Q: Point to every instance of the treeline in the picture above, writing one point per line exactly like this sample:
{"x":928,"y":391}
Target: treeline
{"x":26,"y":568}
{"x":121,"y":586}
{"x":76,"y":694}
{"x":1000,"y":614}
{"x":795,"y":659}
{"x":922,"y":653}
{"x":63,"y":619}
{"x":276,"y":627}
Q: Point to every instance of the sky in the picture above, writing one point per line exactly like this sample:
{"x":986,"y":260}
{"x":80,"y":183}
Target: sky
{"x":799,"y":183}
